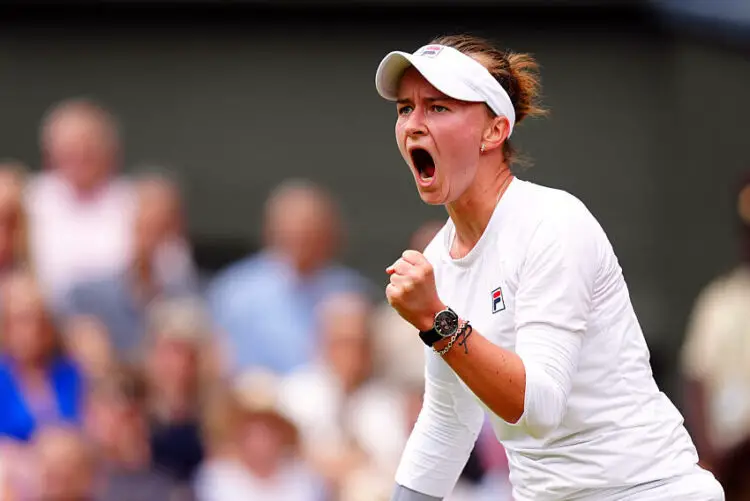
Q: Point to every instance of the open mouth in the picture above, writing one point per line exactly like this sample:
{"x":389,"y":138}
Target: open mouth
{"x":423,"y":163}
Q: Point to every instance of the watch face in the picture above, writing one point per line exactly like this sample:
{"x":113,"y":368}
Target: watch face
{"x":446,"y":323}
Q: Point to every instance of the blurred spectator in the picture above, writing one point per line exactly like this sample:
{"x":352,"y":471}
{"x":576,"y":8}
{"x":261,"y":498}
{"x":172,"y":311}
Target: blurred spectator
{"x":66,"y":466}
{"x":117,"y":425}
{"x":254,"y":447}
{"x":13,"y":242}
{"x":158,"y":268}
{"x":349,"y":420}
{"x":6,"y":493}
{"x":38,"y":385}
{"x":399,"y":353}
{"x":494,"y":484}
{"x":733,"y":472}
{"x":265,"y":303}
{"x":179,"y":373}
{"x":716,"y":363}
{"x":79,"y":209}
{"x":87,"y":343}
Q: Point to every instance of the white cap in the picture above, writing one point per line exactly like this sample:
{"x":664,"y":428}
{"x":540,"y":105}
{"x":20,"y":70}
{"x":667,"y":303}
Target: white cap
{"x":451,"y":72}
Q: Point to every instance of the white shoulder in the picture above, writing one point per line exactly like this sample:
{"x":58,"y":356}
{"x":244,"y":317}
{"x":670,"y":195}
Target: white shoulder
{"x":555,"y":204}
{"x":558,"y":226}
{"x":557,"y":214}
{"x":37,"y":187}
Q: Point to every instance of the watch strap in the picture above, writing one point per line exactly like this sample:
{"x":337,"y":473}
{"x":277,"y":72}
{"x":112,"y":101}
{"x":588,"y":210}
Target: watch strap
{"x":430,"y":337}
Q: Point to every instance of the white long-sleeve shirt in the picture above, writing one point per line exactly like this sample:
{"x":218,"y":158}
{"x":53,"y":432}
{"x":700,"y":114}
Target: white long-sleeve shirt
{"x":544,"y":281}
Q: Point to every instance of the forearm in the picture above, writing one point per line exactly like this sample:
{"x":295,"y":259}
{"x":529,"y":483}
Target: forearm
{"x":528,"y":387}
{"x":444,"y":435}
{"x":495,"y":375}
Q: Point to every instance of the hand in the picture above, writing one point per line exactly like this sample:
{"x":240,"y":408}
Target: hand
{"x":412,"y":291}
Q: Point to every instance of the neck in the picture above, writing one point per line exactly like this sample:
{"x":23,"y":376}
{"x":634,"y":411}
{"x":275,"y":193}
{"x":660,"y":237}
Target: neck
{"x":301,"y":269}
{"x":472,"y":211}
{"x":30,"y":369}
{"x":174,"y":406}
{"x":351,"y":385}
{"x":88,"y":191}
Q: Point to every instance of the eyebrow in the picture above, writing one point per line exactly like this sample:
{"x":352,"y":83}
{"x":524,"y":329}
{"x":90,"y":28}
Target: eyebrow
{"x":428,"y":99}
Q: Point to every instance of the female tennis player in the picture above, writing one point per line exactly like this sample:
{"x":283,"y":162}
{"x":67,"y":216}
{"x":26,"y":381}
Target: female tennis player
{"x":522,"y":303}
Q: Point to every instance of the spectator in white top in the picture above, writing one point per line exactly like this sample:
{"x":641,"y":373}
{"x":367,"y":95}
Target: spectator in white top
{"x":716,"y":366}
{"x":79,"y":209}
{"x":523,"y":303}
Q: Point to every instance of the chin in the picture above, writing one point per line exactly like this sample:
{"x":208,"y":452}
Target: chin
{"x":432,"y":197}
{"x":431,"y":200}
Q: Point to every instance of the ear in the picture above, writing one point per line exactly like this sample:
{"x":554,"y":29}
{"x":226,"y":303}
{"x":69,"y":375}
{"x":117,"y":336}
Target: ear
{"x":496,"y":133}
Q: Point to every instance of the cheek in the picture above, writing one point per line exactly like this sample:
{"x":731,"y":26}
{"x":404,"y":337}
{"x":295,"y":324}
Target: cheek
{"x":459,"y":146}
{"x":400,"y":137}
{"x":455,"y":133}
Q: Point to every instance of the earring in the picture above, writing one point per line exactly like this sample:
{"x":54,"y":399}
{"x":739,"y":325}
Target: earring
{"x":482,"y":148}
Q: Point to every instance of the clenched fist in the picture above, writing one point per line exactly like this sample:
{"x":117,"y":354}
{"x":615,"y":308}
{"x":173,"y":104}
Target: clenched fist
{"x":412,"y":291}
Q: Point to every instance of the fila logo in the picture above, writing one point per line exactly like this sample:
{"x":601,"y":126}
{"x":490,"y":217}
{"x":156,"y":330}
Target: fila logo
{"x":498,"y":304}
{"x":430,"y":50}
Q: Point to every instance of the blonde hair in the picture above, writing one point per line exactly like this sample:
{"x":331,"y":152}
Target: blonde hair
{"x":186,"y":319}
{"x":20,"y":281}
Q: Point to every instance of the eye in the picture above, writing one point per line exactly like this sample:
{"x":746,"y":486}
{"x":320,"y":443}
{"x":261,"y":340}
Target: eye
{"x":438,"y":108}
{"x":404,"y":110}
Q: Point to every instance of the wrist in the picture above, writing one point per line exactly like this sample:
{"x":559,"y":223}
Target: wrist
{"x":428,"y":322}
{"x":442,"y":344}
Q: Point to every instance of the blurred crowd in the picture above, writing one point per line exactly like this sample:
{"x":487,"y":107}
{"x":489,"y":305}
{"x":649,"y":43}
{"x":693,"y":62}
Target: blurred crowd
{"x":715,"y":363}
{"x":128,"y":373}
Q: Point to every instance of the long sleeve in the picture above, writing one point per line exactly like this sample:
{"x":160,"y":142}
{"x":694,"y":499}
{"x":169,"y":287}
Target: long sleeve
{"x":553,"y":304}
{"x":444,"y":434}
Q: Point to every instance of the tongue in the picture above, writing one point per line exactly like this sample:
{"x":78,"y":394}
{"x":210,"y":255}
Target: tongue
{"x":428,"y":172}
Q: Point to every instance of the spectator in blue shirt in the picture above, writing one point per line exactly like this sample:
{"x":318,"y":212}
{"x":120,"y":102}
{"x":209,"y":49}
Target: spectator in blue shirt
{"x":264,"y":304}
{"x":38,"y":385}
{"x":161,"y":266}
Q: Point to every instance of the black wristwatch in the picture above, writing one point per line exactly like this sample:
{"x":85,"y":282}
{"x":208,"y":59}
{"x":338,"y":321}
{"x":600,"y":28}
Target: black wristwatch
{"x":445,"y":325}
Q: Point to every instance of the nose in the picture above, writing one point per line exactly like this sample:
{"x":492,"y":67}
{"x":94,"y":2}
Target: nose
{"x":415,"y":125}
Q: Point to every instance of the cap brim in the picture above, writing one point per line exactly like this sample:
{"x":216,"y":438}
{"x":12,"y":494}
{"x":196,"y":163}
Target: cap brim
{"x":389,"y":74}
{"x":392,"y":68}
